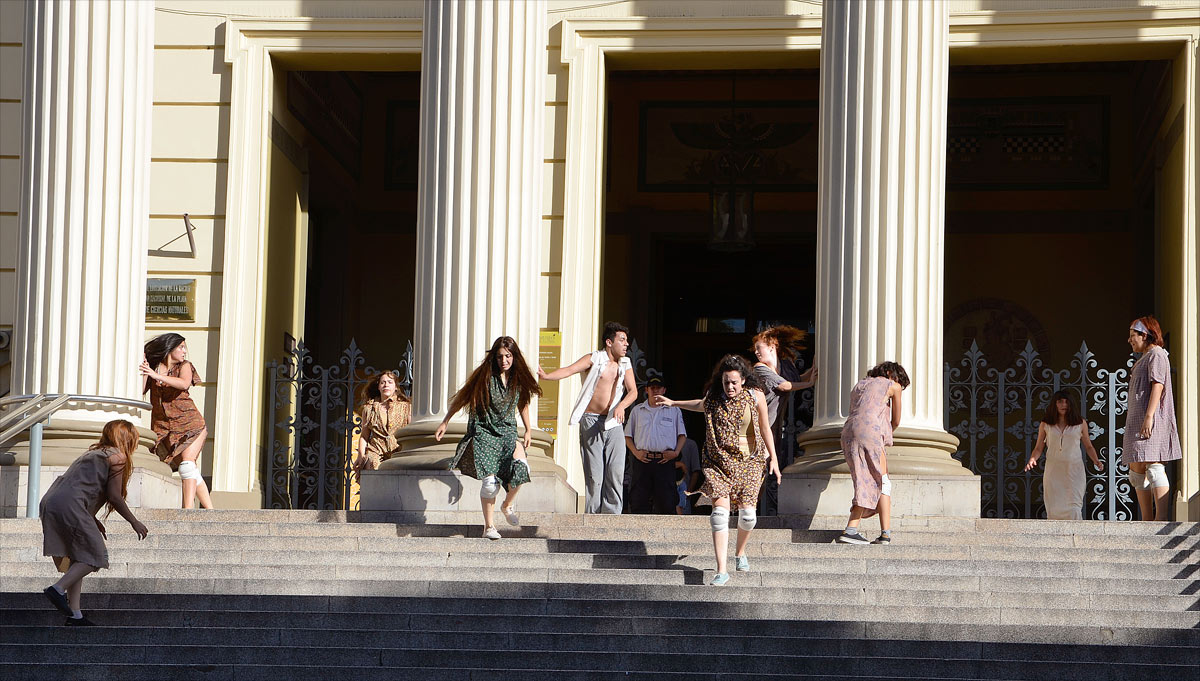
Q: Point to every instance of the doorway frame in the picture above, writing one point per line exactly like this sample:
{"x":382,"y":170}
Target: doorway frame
{"x":587,"y":43}
{"x":251,"y":48}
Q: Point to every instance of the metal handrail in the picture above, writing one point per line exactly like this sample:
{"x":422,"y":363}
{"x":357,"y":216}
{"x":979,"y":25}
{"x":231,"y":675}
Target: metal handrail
{"x":38,"y":416}
{"x":34,"y":422}
{"x":98,"y":399}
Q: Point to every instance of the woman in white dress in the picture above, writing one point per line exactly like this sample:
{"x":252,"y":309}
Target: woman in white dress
{"x":1063,"y":433}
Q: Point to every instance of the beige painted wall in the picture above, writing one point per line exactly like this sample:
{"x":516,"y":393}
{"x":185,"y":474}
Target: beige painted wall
{"x":191,"y":94}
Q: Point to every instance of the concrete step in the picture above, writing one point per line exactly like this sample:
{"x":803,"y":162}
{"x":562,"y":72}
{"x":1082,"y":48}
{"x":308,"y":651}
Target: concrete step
{"x":283,"y":550}
{"x":734,"y":639}
{"x":304,"y":663}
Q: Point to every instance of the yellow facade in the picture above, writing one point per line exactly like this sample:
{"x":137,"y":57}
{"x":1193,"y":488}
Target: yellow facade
{"x":195,"y":110}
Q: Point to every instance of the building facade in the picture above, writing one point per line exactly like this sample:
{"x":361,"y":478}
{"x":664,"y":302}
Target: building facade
{"x":920,"y":175}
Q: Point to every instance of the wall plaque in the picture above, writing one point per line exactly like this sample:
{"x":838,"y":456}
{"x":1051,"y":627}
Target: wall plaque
{"x":549,"y":357}
{"x":170,"y":300}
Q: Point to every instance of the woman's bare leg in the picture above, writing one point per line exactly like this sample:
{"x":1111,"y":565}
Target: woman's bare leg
{"x":1161,"y":495}
{"x":721,"y":539}
{"x":489,"y":507}
{"x":885,"y":512}
{"x":511,"y":495}
{"x":72,"y":582}
{"x":856,"y":514}
{"x":195,"y":488}
{"x":1144,"y":497}
{"x":743,"y":538}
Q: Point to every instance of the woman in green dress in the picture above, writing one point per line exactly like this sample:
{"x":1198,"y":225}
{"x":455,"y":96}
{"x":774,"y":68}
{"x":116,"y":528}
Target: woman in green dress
{"x":489,"y":452}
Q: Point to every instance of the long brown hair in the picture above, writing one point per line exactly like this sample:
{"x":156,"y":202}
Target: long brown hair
{"x":476,"y":395}
{"x":122,"y":436}
{"x":1155,"y":337}
{"x":788,"y":340}
{"x":373,"y":392}
{"x":1051,"y":415}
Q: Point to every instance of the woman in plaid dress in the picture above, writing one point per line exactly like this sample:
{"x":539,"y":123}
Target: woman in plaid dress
{"x":1151,"y":435}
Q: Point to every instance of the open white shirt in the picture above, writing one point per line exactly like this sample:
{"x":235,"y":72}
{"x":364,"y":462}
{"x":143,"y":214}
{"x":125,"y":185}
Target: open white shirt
{"x":599,"y":360}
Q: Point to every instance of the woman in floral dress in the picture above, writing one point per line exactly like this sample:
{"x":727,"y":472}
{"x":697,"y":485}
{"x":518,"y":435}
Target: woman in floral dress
{"x":489,"y":452}
{"x":174,"y":418}
{"x":874,"y":414}
{"x":1151,"y":434}
{"x":737,"y":443}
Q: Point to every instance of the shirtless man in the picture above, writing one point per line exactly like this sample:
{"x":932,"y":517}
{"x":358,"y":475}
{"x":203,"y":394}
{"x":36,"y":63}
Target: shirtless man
{"x":600,"y":413}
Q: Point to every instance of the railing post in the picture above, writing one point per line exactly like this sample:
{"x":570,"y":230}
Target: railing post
{"x":33,"y":474}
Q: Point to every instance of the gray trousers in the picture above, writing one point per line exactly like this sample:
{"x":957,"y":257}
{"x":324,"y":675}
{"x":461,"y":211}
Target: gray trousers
{"x":603,"y":464}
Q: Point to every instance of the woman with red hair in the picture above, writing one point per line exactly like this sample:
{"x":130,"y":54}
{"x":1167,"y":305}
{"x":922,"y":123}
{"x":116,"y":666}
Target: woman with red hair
{"x":1151,"y":436}
{"x":72,"y":535}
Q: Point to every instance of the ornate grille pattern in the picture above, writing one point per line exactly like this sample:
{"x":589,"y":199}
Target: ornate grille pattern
{"x":311,"y":412}
{"x":995,"y":413}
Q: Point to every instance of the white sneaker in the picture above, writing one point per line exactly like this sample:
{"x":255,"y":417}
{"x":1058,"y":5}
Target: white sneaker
{"x":491,"y":533}
{"x":511,"y":516}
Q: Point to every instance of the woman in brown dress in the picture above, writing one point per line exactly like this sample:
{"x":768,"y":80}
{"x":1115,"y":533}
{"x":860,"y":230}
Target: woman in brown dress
{"x":874,"y":414}
{"x":72,"y":535}
{"x":174,"y":418}
{"x":1151,"y":433}
{"x":387,"y":409}
{"x":736,"y":447}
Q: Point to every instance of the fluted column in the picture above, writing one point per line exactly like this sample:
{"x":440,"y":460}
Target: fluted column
{"x":880,"y":236}
{"x":81,"y":271}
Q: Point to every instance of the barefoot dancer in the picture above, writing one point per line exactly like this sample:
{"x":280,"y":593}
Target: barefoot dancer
{"x":174,"y":418}
{"x":490,"y":452}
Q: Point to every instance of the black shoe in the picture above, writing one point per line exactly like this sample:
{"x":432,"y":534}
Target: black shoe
{"x":847,"y":538}
{"x":58,"y":600}
{"x":883,"y":539}
{"x":79,"y":622}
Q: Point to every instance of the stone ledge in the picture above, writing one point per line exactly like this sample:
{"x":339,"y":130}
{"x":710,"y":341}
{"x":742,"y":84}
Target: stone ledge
{"x":819,"y":494}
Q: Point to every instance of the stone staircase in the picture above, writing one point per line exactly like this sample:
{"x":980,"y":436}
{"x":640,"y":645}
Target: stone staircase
{"x":330,"y":595}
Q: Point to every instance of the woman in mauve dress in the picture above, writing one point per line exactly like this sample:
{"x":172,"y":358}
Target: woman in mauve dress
{"x":1063,"y":433}
{"x":874,"y":414}
{"x":72,"y":535}
{"x":1151,"y":435}
{"x":738,"y":453}
{"x":500,"y":387}
{"x":174,"y":418}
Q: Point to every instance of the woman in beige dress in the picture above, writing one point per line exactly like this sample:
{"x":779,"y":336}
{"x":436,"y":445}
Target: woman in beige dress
{"x":72,"y":535}
{"x":386,"y":410}
{"x":1063,"y":434}
{"x":1151,"y":432}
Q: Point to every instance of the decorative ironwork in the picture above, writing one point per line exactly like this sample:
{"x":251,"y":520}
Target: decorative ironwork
{"x":313,"y":419}
{"x":995,"y":413}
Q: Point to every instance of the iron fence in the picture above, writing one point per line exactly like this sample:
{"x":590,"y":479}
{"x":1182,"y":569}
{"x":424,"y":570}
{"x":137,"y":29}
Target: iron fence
{"x":995,"y":413}
{"x":312,"y":412}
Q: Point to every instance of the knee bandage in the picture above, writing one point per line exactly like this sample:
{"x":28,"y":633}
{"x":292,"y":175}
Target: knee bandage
{"x":189,"y":471}
{"x":1156,"y":476}
{"x":1137,"y":480}
{"x":747,"y":519}
{"x":490,"y":488}
{"x":719,"y":519}
{"x":885,"y":487}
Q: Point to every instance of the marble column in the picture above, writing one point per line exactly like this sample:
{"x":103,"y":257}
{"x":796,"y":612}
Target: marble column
{"x":83,"y":221}
{"x":483,"y":67}
{"x":880,"y":249}
{"x":81,"y":274}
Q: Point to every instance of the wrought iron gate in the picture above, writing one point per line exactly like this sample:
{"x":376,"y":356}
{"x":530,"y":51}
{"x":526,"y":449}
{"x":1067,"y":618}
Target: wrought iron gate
{"x":311,"y":416}
{"x":995,"y":413}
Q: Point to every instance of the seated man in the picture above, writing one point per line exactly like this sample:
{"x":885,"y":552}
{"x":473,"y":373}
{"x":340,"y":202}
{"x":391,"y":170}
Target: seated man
{"x":654,"y":435}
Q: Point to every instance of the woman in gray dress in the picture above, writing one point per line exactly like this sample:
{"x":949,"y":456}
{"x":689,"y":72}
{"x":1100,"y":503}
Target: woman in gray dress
{"x":1151,"y":436}
{"x":72,"y":535}
{"x":500,"y":386}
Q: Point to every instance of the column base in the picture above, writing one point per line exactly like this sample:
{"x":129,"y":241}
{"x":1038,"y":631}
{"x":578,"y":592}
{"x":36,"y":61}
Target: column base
{"x":926,"y":480}
{"x":420,"y":478}
{"x":152,"y":484}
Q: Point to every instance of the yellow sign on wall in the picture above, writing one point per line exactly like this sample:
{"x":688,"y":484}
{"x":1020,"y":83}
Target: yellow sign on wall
{"x":170,"y":300}
{"x":549,"y":358}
